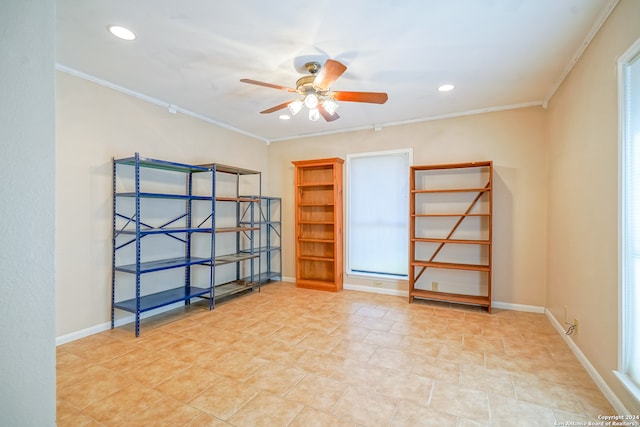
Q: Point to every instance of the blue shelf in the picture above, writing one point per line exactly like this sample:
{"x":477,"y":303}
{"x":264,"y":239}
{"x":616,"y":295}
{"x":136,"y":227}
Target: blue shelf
{"x":161,"y":164}
{"x":160,"y":299}
{"x":165,"y":196}
{"x":165,"y":264}
{"x":166,"y":230}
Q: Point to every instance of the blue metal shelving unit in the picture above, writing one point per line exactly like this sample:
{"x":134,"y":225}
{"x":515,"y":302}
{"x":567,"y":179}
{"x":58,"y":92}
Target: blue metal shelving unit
{"x":129,"y":228}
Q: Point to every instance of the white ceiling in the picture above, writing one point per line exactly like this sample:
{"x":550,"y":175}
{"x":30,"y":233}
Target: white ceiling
{"x":191,"y":55}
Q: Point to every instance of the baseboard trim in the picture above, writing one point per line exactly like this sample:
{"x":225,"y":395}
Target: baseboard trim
{"x":593,"y":373}
{"x":360,"y":288}
{"x":373,"y":290}
{"x":404,"y":293}
{"x":517,"y":307}
{"x":63,"y":339}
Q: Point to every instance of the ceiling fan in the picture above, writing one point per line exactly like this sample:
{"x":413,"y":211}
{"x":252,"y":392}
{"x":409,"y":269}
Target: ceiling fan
{"x":316,"y":92}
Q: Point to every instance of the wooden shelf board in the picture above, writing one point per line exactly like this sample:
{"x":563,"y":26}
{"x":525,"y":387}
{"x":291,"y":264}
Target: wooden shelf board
{"x":316,"y":258}
{"x":231,"y":258}
{"x":316,"y":284}
{"x":229,"y":169}
{"x":458,"y":241}
{"x":233,"y":287}
{"x":444,"y":296}
{"x":435,"y":215}
{"x":454,"y":165}
{"x":312,"y":240}
{"x":316,"y":222}
{"x":453,"y":190}
{"x":451,"y":265}
{"x":316,"y":184}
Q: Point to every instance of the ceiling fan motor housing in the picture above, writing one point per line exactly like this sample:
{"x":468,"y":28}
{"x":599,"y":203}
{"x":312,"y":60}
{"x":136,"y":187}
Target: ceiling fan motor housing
{"x":305,"y":84}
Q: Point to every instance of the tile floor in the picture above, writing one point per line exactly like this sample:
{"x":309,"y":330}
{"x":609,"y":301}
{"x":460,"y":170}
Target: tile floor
{"x":295,"y":357}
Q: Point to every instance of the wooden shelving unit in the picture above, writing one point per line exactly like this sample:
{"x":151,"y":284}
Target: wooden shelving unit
{"x":318,"y":224}
{"x":451,"y":209}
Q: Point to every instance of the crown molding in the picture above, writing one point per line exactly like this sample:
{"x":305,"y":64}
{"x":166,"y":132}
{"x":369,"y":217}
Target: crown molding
{"x":583,"y":46}
{"x":172,"y":108}
{"x":381,"y":126}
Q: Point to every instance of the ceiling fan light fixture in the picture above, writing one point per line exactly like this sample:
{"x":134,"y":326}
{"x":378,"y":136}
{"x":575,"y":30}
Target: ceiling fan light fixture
{"x":121,"y":32}
{"x":314,"y":114}
{"x":311,"y":101}
{"x":284,"y":117}
{"x":330,"y":105}
{"x":295,"y":106}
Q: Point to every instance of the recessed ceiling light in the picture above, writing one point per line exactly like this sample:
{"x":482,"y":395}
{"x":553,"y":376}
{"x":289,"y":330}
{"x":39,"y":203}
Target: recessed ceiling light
{"x":121,"y":32}
{"x":284,"y":117}
{"x":446,"y":88}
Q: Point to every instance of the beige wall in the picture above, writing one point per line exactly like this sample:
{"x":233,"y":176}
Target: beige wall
{"x":583,"y":195}
{"x":93,"y":125}
{"x":514,"y":140}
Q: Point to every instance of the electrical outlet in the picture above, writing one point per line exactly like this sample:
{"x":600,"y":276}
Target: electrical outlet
{"x":575,"y":322}
{"x":434,"y":286}
{"x":377,"y":284}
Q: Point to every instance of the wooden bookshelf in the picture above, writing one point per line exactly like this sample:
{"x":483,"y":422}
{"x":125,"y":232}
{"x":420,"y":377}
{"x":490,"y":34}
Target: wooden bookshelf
{"x":451,"y":207}
{"x":318,"y":224}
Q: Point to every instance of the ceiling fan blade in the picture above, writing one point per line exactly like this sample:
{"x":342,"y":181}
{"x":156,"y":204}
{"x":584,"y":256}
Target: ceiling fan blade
{"x":328,"y":117}
{"x":370,"y":97}
{"x":256,"y":82}
{"x":328,"y":74}
{"x":277,"y":107}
